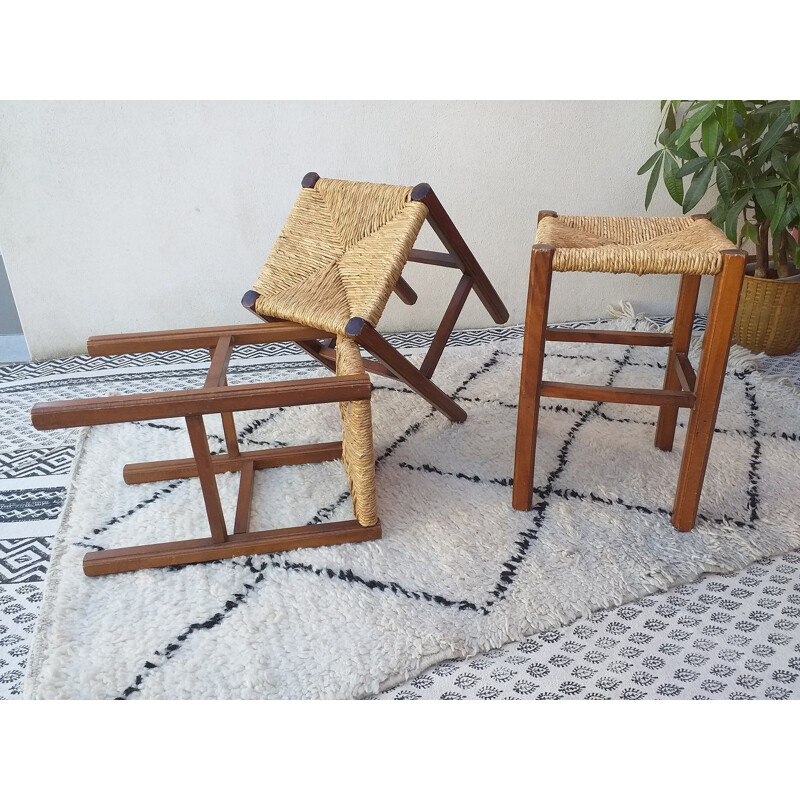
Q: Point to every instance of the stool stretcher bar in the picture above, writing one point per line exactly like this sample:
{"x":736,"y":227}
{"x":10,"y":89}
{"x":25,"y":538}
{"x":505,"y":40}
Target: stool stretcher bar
{"x":196,"y":551}
{"x":189,"y":338}
{"x":171,"y":470}
{"x":616,"y":394}
{"x":641,"y":338}
{"x":210,"y":400}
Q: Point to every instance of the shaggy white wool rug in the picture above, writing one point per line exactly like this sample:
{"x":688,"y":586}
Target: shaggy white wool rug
{"x":457,"y":572}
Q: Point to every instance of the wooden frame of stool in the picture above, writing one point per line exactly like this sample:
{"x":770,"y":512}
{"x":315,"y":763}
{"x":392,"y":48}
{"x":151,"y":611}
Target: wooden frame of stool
{"x":215,"y":397}
{"x":682,"y":388}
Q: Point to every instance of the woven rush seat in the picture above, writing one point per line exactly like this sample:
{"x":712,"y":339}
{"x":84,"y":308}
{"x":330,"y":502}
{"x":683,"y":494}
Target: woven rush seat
{"x":358,"y":455}
{"x":641,"y":245}
{"x":340,"y":254}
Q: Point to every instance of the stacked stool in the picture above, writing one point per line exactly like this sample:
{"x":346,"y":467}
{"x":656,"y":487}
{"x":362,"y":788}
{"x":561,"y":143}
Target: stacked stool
{"x":687,"y":246}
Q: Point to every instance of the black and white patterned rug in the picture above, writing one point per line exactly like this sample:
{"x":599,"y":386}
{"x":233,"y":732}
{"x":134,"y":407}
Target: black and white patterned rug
{"x":726,"y":636}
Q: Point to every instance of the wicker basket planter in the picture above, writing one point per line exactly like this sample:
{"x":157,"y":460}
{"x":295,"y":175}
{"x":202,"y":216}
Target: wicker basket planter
{"x":768,"y":319}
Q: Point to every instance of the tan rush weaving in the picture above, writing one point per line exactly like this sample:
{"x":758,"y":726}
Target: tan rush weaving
{"x":642,"y":245}
{"x":357,"y":450}
{"x":340,"y":254}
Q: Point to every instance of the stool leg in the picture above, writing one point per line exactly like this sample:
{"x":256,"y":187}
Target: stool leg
{"x":530,"y":383}
{"x":681,"y":338}
{"x":710,"y":375}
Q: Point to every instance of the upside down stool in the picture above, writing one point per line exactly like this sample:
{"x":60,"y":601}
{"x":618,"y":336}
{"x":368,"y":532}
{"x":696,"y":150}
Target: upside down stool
{"x":324,"y":286}
{"x":688,"y":246}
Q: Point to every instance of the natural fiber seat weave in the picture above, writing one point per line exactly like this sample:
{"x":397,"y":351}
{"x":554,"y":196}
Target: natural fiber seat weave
{"x":358,"y":454}
{"x":340,"y":254}
{"x":642,"y":245}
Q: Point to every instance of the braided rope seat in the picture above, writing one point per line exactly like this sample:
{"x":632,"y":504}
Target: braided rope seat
{"x":340,"y":254}
{"x":641,"y":245}
{"x":358,"y":455}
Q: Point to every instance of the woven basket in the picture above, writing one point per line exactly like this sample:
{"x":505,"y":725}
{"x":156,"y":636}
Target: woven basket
{"x":768,"y":319}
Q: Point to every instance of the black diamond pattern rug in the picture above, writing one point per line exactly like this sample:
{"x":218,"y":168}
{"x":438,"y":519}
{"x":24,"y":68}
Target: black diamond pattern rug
{"x":608,"y":656}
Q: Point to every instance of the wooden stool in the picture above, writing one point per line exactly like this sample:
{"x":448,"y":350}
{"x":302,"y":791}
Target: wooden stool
{"x":689,"y":246}
{"x":324,"y":286}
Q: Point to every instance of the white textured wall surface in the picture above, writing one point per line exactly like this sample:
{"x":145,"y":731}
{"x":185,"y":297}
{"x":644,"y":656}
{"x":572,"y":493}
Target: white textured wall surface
{"x":134,"y":216}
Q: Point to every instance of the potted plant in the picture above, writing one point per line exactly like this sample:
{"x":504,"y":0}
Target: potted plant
{"x":749,"y":152}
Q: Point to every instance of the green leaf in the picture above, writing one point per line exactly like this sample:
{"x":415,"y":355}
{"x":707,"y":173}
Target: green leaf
{"x":778,"y":210}
{"x":692,"y":166}
{"x":728,"y":120}
{"x":719,"y":211}
{"x":774,"y":133}
{"x":671,"y":180}
{"x":794,"y":109}
{"x":698,"y":187}
{"x":651,"y":184}
{"x":691,"y":124}
{"x":750,"y":232}
{"x":731,"y":227}
{"x":786,"y":220}
{"x":686,"y":152}
{"x":649,"y":163}
{"x":766,"y":201}
{"x":780,"y":165}
{"x":736,"y":209}
{"x":710,"y":136}
{"x":669,"y":122}
{"x":724,"y":179}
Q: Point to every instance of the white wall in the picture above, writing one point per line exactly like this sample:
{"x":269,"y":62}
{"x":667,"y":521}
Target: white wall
{"x":134,"y":216}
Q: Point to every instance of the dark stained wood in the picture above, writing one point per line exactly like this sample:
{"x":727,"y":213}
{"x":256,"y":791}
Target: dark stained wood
{"x":681,"y":338}
{"x":616,"y":394}
{"x":447,"y":232}
{"x":446,"y":326}
{"x":229,"y":431}
{"x":403,"y":369}
{"x":309,"y":180}
{"x":157,"y":405}
{"x":241,"y":523}
{"x":685,"y":372}
{"x":545,"y":213}
{"x":541,"y":272}
{"x":641,"y":338}
{"x":196,"y":551}
{"x":405,"y":292}
{"x":189,"y":338}
{"x":710,"y":377}
{"x":208,"y":483}
{"x":217,"y":376}
{"x":148,"y":471}
{"x":434,"y":258}
{"x":220,"y":356}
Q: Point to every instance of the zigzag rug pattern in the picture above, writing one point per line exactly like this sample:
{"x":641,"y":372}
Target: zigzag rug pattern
{"x":26,"y":454}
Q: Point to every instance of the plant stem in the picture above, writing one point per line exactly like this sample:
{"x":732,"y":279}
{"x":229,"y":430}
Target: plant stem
{"x":781,"y":260}
{"x":762,"y":250}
